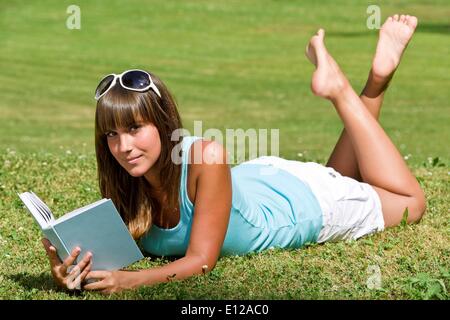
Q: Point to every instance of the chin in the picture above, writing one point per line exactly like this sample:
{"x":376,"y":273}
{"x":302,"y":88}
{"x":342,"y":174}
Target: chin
{"x":136,"y":172}
{"x":136,"y":175}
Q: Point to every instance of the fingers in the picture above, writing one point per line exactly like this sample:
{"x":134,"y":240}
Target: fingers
{"x":75,"y":278}
{"x":70,"y":260}
{"x":47,"y":244}
{"x":51,"y":252}
{"x":81,"y":266}
{"x":77,"y":273}
{"x":85,"y":271}
{"x":96,"y":275}
{"x":85,"y":261}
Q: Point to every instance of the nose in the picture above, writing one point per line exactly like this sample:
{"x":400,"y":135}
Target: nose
{"x":125,"y":143}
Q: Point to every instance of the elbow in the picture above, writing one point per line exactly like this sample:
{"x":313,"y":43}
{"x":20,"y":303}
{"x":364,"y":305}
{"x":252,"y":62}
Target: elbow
{"x":207,"y":263}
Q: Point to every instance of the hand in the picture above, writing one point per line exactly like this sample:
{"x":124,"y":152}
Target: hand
{"x":64,"y":273}
{"x":111,"y":281}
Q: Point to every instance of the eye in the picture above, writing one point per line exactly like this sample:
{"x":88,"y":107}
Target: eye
{"x":134,"y":127}
{"x":110,"y":134}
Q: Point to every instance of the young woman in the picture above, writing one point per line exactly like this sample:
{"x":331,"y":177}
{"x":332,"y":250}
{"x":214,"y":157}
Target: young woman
{"x":198,"y":208}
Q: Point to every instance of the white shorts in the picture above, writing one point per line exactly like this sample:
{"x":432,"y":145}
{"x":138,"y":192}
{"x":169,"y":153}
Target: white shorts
{"x":351,"y":209}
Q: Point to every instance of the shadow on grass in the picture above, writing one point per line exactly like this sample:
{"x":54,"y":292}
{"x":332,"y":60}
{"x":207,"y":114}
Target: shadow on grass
{"x":434,"y":28}
{"x":351,"y":34}
{"x":165,"y":258}
{"x":422,"y":27}
{"x":43,"y":282}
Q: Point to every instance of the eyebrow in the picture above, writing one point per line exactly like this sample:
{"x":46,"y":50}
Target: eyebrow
{"x":130,"y":125}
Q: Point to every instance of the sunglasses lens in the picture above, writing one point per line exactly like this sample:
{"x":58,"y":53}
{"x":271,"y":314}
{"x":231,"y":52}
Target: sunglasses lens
{"x":103,"y":86}
{"x":136,"y":80}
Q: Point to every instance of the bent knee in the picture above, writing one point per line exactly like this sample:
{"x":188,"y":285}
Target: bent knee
{"x":394,"y":206}
{"x":417,"y":208}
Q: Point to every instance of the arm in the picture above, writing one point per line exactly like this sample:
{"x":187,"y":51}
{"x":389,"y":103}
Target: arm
{"x":209,"y":226}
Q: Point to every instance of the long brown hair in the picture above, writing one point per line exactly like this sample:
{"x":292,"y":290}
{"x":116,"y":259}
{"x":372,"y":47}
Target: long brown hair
{"x":134,"y":198}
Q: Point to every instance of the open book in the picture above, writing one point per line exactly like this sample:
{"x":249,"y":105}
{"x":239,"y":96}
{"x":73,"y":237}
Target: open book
{"x":97,"y":228}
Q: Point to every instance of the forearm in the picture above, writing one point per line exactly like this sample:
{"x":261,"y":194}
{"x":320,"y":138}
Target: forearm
{"x":177,"y":270}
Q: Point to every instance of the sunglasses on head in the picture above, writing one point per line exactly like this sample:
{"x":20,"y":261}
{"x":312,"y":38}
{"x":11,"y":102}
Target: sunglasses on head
{"x":134,"y":80}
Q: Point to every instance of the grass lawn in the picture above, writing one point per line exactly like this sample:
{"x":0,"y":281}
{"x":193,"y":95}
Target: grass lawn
{"x":233,"y":64}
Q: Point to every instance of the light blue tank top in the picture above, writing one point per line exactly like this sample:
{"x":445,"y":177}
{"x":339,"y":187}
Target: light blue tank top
{"x":268,"y":210}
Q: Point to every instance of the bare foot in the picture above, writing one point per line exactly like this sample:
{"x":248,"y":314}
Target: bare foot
{"x":394,"y":38}
{"x":328,"y":80}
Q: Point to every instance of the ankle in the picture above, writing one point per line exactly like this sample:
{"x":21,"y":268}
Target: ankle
{"x":376,"y":85}
{"x":342,"y":94}
{"x":342,"y":89}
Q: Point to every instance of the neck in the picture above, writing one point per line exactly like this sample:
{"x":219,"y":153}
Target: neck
{"x":152,"y":178}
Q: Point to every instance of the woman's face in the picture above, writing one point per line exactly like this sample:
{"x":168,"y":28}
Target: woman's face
{"x":136,"y":148}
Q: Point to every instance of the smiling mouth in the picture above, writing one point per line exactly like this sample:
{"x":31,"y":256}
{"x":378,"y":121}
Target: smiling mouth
{"x":133,"y":160}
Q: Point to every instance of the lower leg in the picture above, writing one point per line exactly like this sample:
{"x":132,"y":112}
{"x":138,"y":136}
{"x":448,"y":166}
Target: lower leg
{"x":392,"y":42}
{"x":379,"y":162}
{"x":343,"y":158}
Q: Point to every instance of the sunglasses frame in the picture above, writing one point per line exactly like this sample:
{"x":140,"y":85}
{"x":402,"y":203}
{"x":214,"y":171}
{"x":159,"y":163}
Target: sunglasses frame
{"x":119,"y":76}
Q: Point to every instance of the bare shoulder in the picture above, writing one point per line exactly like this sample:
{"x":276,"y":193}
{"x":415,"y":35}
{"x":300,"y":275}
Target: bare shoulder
{"x":206,"y":152}
{"x":206,"y":159}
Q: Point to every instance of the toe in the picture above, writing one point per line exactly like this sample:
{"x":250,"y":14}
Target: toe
{"x":318,"y":39}
{"x":412,"y":22}
{"x":407,"y":18}
{"x":318,"y":46}
{"x":321,"y":33}
{"x":396,"y":17}
{"x":402,"y":18}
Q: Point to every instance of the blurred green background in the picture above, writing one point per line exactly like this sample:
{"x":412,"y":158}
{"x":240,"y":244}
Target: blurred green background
{"x":233,"y":64}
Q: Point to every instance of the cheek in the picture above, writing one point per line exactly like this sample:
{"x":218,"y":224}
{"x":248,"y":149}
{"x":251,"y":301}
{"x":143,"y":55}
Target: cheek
{"x":151,"y":143}
{"x":113,"y":148}
{"x":156,"y":147}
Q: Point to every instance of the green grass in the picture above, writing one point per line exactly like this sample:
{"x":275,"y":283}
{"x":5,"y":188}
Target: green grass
{"x":233,"y":65}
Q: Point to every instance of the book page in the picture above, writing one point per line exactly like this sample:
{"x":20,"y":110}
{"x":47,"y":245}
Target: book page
{"x":38,"y":208}
{"x":39,"y":204}
{"x":37,"y":215}
{"x":43,"y":206}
